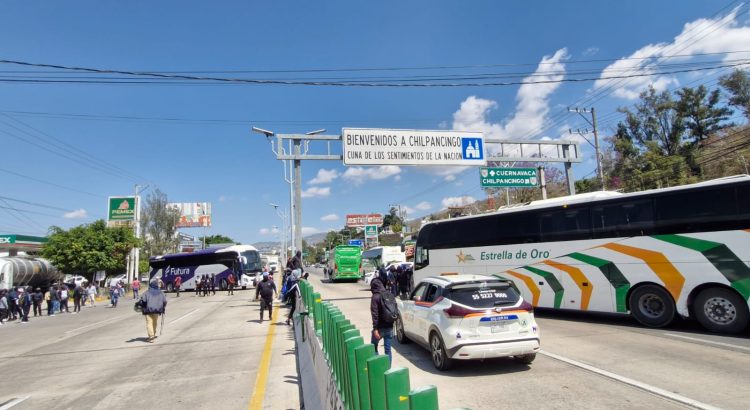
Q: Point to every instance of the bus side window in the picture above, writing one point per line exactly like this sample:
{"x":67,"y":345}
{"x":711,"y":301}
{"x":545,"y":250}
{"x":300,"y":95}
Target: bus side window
{"x":631,"y":218}
{"x":421,"y":257}
{"x":700,"y":210}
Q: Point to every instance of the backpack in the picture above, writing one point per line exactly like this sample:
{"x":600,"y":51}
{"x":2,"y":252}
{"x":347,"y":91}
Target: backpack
{"x":24,"y":300}
{"x":390,"y":307}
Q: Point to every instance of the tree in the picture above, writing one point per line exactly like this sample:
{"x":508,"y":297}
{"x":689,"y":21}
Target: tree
{"x":393,"y":220}
{"x":701,"y":112}
{"x":655,"y":122}
{"x":86,"y":249}
{"x":217,"y":239}
{"x":159,"y":224}
{"x":738,"y":86}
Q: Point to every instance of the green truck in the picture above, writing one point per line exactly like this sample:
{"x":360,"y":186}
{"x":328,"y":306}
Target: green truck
{"x":347,"y":263}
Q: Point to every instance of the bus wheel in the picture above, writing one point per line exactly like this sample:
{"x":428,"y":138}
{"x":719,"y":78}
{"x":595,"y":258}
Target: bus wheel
{"x":652,"y":306}
{"x":223,"y":285}
{"x":721,"y":310}
{"x":170,"y":287}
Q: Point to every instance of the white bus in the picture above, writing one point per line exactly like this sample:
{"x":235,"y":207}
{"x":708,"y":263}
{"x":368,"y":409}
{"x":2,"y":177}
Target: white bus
{"x":654,"y":254}
{"x":381,"y":256}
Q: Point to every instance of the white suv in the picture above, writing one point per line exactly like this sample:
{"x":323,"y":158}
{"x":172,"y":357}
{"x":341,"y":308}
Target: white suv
{"x":468,"y":317}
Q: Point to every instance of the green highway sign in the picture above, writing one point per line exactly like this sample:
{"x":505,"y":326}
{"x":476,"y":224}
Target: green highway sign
{"x":508,"y":177}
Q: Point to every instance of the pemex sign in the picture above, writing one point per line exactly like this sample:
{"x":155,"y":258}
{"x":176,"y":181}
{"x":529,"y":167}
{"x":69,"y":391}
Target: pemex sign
{"x":121,"y":208}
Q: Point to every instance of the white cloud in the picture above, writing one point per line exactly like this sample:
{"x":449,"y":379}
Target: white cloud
{"x":77,"y":214}
{"x":314,"y":192}
{"x":264,"y":231}
{"x":424,"y":206}
{"x":532,"y":104}
{"x":723,"y":34}
{"x":325,"y":176}
{"x":330,"y":217}
{"x":358,"y":175}
{"x":222,"y":198}
{"x":590,"y":51}
{"x":307,"y":230}
{"x":457,"y":201}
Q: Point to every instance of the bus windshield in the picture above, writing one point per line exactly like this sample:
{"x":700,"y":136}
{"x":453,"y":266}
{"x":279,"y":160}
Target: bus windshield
{"x":251,"y":261}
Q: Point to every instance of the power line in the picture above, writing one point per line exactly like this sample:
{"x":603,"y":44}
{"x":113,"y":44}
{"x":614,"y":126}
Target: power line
{"x":35,"y":204}
{"x":41,"y":181}
{"x":223,"y":80}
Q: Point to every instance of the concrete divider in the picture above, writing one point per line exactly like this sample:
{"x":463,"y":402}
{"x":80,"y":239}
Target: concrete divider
{"x":338,"y":370}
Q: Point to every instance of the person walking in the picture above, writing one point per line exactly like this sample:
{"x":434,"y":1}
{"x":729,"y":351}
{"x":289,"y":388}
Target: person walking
{"x":266,"y":289}
{"x":54,"y":296}
{"x":24,"y":304}
{"x":230,"y":284}
{"x":297,"y":262}
{"x":382,"y":323}
{"x":177,"y":284}
{"x":212,"y":281}
{"x":154,"y":305}
{"x":136,"y":286}
{"x":77,"y":296}
{"x":91,"y":291}
{"x":292,"y":293}
{"x":36,"y":298}
{"x":12,"y":297}
{"x":114,"y":295}
{"x":64,"y":295}
{"x":3,"y":306}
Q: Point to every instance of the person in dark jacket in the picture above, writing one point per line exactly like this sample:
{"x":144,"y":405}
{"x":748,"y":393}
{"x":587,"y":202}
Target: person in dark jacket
{"x":266,"y":289}
{"x":292,"y":293}
{"x":36,"y":298}
{"x":154,"y":304}
{"x":212,"y":282}
{"x":12,"y":297}
{"x":382,"y":325}
{"x":24,"y":303}
{"x":297,"y":262}
{"x":77,"y":295}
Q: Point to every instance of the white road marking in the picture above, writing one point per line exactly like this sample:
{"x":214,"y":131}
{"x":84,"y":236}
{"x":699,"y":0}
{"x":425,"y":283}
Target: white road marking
{"x":635,"y":383}
{"x":93,"y":324}
{"x":184,"y":316}
{"x":14,"y":402}
{"x":708,"y":341}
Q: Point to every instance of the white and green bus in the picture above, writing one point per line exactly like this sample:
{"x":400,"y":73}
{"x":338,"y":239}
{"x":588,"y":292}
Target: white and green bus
{"x":654,"y":254}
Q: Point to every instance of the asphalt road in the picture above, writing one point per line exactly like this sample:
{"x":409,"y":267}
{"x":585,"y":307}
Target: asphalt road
{"x":208,"y":357}
{"x":588,"y":362}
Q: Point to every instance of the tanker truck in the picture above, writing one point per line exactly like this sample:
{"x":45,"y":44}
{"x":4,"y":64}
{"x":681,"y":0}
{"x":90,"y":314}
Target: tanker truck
{"x":27,"y":271}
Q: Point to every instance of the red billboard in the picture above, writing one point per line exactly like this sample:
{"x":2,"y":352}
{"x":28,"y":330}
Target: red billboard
{"x":353,"y":220}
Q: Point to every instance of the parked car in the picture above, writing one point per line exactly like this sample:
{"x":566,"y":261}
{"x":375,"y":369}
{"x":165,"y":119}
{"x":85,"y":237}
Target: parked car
{"x":464,"y":317}
{"x":74,"y":279}
{"x":112,"y":281}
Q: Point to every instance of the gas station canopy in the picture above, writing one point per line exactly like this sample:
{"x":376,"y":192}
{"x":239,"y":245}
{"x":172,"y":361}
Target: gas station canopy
{"x":13,"y":243}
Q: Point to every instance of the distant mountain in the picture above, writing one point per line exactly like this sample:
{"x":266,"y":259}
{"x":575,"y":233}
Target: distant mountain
{"x":311,"y":240}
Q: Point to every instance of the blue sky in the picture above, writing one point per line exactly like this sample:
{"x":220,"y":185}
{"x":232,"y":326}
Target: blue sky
{"x":193,"y":141}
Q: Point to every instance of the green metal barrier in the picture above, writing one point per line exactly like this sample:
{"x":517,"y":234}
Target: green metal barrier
{"x":352,"y":344}
{"x":364,"y":380}
{"x":423,"y":398}
{"x":376,"y":368}
{"x":361,"y":355}
{"x":397,"y":389}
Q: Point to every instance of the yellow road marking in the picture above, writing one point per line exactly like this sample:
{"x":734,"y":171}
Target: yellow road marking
{"x":259,"y":392}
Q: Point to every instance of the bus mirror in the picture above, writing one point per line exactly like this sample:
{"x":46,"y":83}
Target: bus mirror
{"x":243,"y":260}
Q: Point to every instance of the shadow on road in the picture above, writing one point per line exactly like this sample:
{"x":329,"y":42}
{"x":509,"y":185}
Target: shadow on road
{"x":137,"y":339}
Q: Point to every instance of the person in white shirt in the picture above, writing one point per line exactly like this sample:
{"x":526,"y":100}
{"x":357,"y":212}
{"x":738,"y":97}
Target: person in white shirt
{"x":91,"y":291}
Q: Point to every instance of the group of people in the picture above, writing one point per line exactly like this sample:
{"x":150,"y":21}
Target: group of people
{"x":17,"y":303}
{"x":205,"y":285}
{"x":266,"y":288}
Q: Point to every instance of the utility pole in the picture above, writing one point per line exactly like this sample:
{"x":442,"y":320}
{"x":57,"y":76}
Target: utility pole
{"x":592,"y":111}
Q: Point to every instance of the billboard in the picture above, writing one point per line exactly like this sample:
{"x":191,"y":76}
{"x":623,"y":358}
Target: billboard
{"x":361,"y":220}
{"x":412,"y":147}
{"x":193,"y":214}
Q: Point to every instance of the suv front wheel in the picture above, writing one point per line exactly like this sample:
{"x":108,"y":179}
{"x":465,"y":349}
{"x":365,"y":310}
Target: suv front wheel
{"x":400,"y":333}
{"x":439,"y":356}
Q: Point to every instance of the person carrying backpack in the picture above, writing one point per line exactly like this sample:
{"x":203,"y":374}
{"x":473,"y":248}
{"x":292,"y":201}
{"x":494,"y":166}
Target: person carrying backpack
{"x":24,"y":304}
{"x":384,"y":311}
{"x":154,"y":304}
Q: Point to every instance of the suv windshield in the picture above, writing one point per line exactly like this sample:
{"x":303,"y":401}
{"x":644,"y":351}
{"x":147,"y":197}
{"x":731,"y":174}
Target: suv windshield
{"x":483,"y":295}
